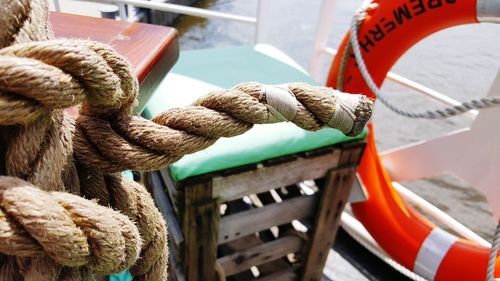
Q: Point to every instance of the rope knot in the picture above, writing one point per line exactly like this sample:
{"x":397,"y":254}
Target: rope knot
{"x":71,"y":230}
{"x":57,"y":74}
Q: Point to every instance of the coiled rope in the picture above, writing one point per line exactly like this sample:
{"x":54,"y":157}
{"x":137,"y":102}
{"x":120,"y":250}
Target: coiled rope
{"x":495,"y":246}
{"x":447,"y":112}
{"x":66,"y":211}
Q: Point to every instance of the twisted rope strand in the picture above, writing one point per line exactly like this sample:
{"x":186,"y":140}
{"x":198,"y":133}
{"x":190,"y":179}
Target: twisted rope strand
{"x":61,"y":236}
{"x":490,"y":273}
{"x":134,"y":200}
{"x":58,"y":74}
{"x":71,"y":230}
{"x":134,"y":143}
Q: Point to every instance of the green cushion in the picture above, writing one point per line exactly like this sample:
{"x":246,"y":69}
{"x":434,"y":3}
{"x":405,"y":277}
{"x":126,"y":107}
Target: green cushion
{"x":226,"y":67}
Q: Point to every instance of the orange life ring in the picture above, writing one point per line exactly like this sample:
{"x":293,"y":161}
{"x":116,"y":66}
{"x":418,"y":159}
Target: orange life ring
{"x":385,"y":35}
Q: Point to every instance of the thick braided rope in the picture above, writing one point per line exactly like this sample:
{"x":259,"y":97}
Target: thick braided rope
{"x":141,"y":144}
{"x":446,"y":112}
{"x":136,"y":143}
{"x":58,"y":74}
{"x":42,"y":78}
{"x":110,"y":88}
{"x":133,"y":200}
{"x":108,"y":138}
{"x":490,"y":273}
{"x":23,"y":21}
{"x":71,"y":230}
{"x":38,"y":144}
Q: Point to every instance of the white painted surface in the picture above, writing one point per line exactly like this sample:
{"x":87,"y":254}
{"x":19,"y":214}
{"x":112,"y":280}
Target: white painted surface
{"x":439,"y":215}
{"x":473,"y":154}
{"x":432,"y":253}
{"x":358,"y":192}
{"x":321,"y":39}
{"x":264,"y":21}
{"x":278,"y":55}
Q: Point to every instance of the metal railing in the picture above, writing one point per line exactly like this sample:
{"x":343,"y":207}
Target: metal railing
{"x":439,"y":215}
{"x":179,"y":9}
{"x":259,"y":22}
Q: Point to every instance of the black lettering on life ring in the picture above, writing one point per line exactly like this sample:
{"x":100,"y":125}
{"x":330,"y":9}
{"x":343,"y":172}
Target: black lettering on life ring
{"x":403,"y":13}
{"x":433,"y":4}
{"x":400,"y":13}
{"x":418,"y":8}
{"x":388,"y":26}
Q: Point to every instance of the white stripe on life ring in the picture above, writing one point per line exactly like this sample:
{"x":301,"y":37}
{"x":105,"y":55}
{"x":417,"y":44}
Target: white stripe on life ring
{"x":432,"y":253}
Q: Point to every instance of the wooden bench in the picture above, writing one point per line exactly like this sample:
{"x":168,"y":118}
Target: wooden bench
{"x":279,"y":216}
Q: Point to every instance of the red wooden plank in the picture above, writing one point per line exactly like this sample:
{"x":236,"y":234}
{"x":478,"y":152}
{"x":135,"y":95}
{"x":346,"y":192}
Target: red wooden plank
{"x":151,"y":49}
{"x":142,"y":44}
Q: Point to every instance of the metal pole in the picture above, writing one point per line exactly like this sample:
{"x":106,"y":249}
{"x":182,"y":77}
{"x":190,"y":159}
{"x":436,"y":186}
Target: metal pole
{"x":180,"y":9}
{"x":57,"y":5}
{"x":122,"y":11}
{"x":322,"y":32}
{"x":439,"y":215}
{"x":263,"y":19}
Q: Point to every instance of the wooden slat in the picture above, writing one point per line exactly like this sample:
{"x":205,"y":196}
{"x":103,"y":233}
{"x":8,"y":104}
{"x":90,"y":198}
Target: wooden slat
{"x":156,"y":186}
{"x":266,"y":178}
{"x":285,"y":275}
{"x":334,"y":196}
{"x":351,"y":153}
{"x":247,"y":242}
{"x":250,"y":241}
{"x":200,"y":225}
{"x":244,"y":260}
{"x":254,"y":220}
{"x":291,"y":192}
{"x":207,"y":235}
{"x":189,"y":257}
{"x":171,"y":188}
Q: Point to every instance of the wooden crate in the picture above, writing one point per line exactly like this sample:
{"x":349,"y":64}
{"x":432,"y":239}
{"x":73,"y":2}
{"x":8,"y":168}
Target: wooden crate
{"x":274,"y":220}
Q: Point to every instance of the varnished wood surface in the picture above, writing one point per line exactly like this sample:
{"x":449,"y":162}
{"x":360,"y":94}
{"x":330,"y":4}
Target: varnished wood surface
{"x":151,"y":49}
{"x":142,"y":44}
